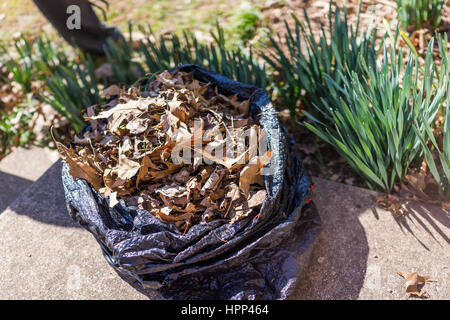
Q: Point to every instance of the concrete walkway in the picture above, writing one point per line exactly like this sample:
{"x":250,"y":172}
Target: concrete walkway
{"x":20,"y":169}
{"x":44,"y":255}
{"x":362,"y":247}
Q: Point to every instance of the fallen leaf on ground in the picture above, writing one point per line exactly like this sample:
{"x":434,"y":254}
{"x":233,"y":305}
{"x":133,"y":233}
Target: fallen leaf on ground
{"x":413,"y":279}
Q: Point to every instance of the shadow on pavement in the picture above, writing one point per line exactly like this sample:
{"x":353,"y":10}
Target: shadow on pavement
{"x":427,"y":218}
{"x":11,"y":187}
{"x":44,"y":200}
{"x":339,"y":258}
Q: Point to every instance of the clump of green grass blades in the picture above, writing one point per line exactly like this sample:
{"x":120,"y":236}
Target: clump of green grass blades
{"x":73,"y":88}
{"x":416,"y":14}
{"x":171,"y":51}
{"x":21,"y":66}
{"x":121,"y":57}
{"x":441,"y":175}
{"x":33,"y":60}
{"x":372,"y":119}
{"x":244,"y":25}
{"x":302,"y":69}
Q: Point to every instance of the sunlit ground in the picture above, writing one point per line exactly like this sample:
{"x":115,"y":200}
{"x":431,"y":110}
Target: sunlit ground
{"x":162,"y":15}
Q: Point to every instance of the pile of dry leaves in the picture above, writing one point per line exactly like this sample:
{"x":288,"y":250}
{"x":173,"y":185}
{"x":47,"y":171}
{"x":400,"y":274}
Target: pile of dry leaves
{"x":127,"y":153}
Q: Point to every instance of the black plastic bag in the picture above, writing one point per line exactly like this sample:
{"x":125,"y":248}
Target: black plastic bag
{"x":254,"y":258}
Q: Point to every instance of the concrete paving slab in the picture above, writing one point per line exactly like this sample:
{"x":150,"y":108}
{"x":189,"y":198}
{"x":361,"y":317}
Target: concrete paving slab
{"x":44,"y":255}
{"x":20,"y":169}
{"x":362,"y":247}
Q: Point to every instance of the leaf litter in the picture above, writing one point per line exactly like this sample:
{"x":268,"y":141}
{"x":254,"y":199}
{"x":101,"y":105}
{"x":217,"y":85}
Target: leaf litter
{"x":419,"y":186}
{"x":127,"y":152}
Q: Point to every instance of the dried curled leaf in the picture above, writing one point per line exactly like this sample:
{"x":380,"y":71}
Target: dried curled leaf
{"x":241,"y":209}
{"x":79,"y":167}
{"x":250,"y":174}
{"x":413,"y":279}
{"x":127,"y":168}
